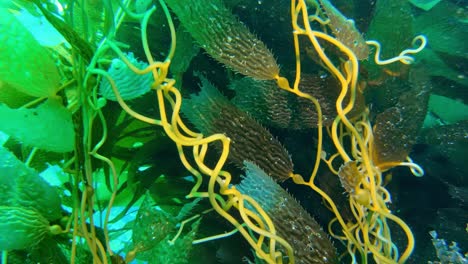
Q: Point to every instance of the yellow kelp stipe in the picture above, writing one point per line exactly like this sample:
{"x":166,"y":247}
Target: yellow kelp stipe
{"x":369,"y":232}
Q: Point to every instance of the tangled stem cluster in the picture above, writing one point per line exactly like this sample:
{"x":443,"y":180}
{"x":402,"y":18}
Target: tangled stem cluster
{"x":368,"y":233}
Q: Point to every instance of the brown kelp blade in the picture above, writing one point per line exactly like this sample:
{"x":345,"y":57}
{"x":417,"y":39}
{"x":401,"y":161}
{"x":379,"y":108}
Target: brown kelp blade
{"x":274,"y":107}
{"x":396,"y":129}
{"x":345,"y":30}
{"x":225,"y":38}
{"x":212,"y":113}
{"x":292,"y":222}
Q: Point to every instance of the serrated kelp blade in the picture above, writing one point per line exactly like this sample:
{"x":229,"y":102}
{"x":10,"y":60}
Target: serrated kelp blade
{"x":225,"y":38}
{"x":199,"y":107}
{"x":212,"y":113}
{"x":263,"y":100}
{"x":345,"y":31}
{"x":292,"y":222}
{"x":274,"y":107}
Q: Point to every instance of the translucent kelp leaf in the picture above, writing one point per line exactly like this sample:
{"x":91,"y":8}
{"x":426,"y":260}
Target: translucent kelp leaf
{"x":391,"y":25}
{"x":90,"y":16}
{"x":129,"y":84}
{"x":40,"y":28}
{"x":437,"y":67}
{"x":449,"y":110}
{"x":425,"y":4}
{"x":445,"y":28}
{"x":12,"y":97}
{"x":185,"y":52}
{"x":25,"y":64}
{"x":21,"y":186}
{"x":396,"y":129}
{"x":21,"y":228}
{"x":152,"y":225}
{"x":48,"y":127}
{"x":177,"y":252}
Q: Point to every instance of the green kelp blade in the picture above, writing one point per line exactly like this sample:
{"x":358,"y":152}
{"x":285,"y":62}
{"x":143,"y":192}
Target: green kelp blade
{"x":48,"y":127}
{"x":50,"y":250}
{"x":21,"y":228}
{"x":426,"y":5}
{"x":436,"y":66}
{"x":75,"y":40}
{"x":25,"y":64}
{"x":12,"y":97}
{"x":21,"y":186}
{"x":391,"y":25}
{"x":186,"y":50}
{"x":180,"y":252}
{"x":449,"y":110}
{"x":151,"y":226}
{"x":225,"y":38}
{"x":445,"y":29}
{"x":129,"y":84}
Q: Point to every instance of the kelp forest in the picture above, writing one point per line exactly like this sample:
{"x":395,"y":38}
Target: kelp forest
{"x":233,"y":131}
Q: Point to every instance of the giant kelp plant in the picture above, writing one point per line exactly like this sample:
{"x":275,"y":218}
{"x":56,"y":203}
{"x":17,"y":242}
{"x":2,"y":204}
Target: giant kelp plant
{"x":162,"y":126}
